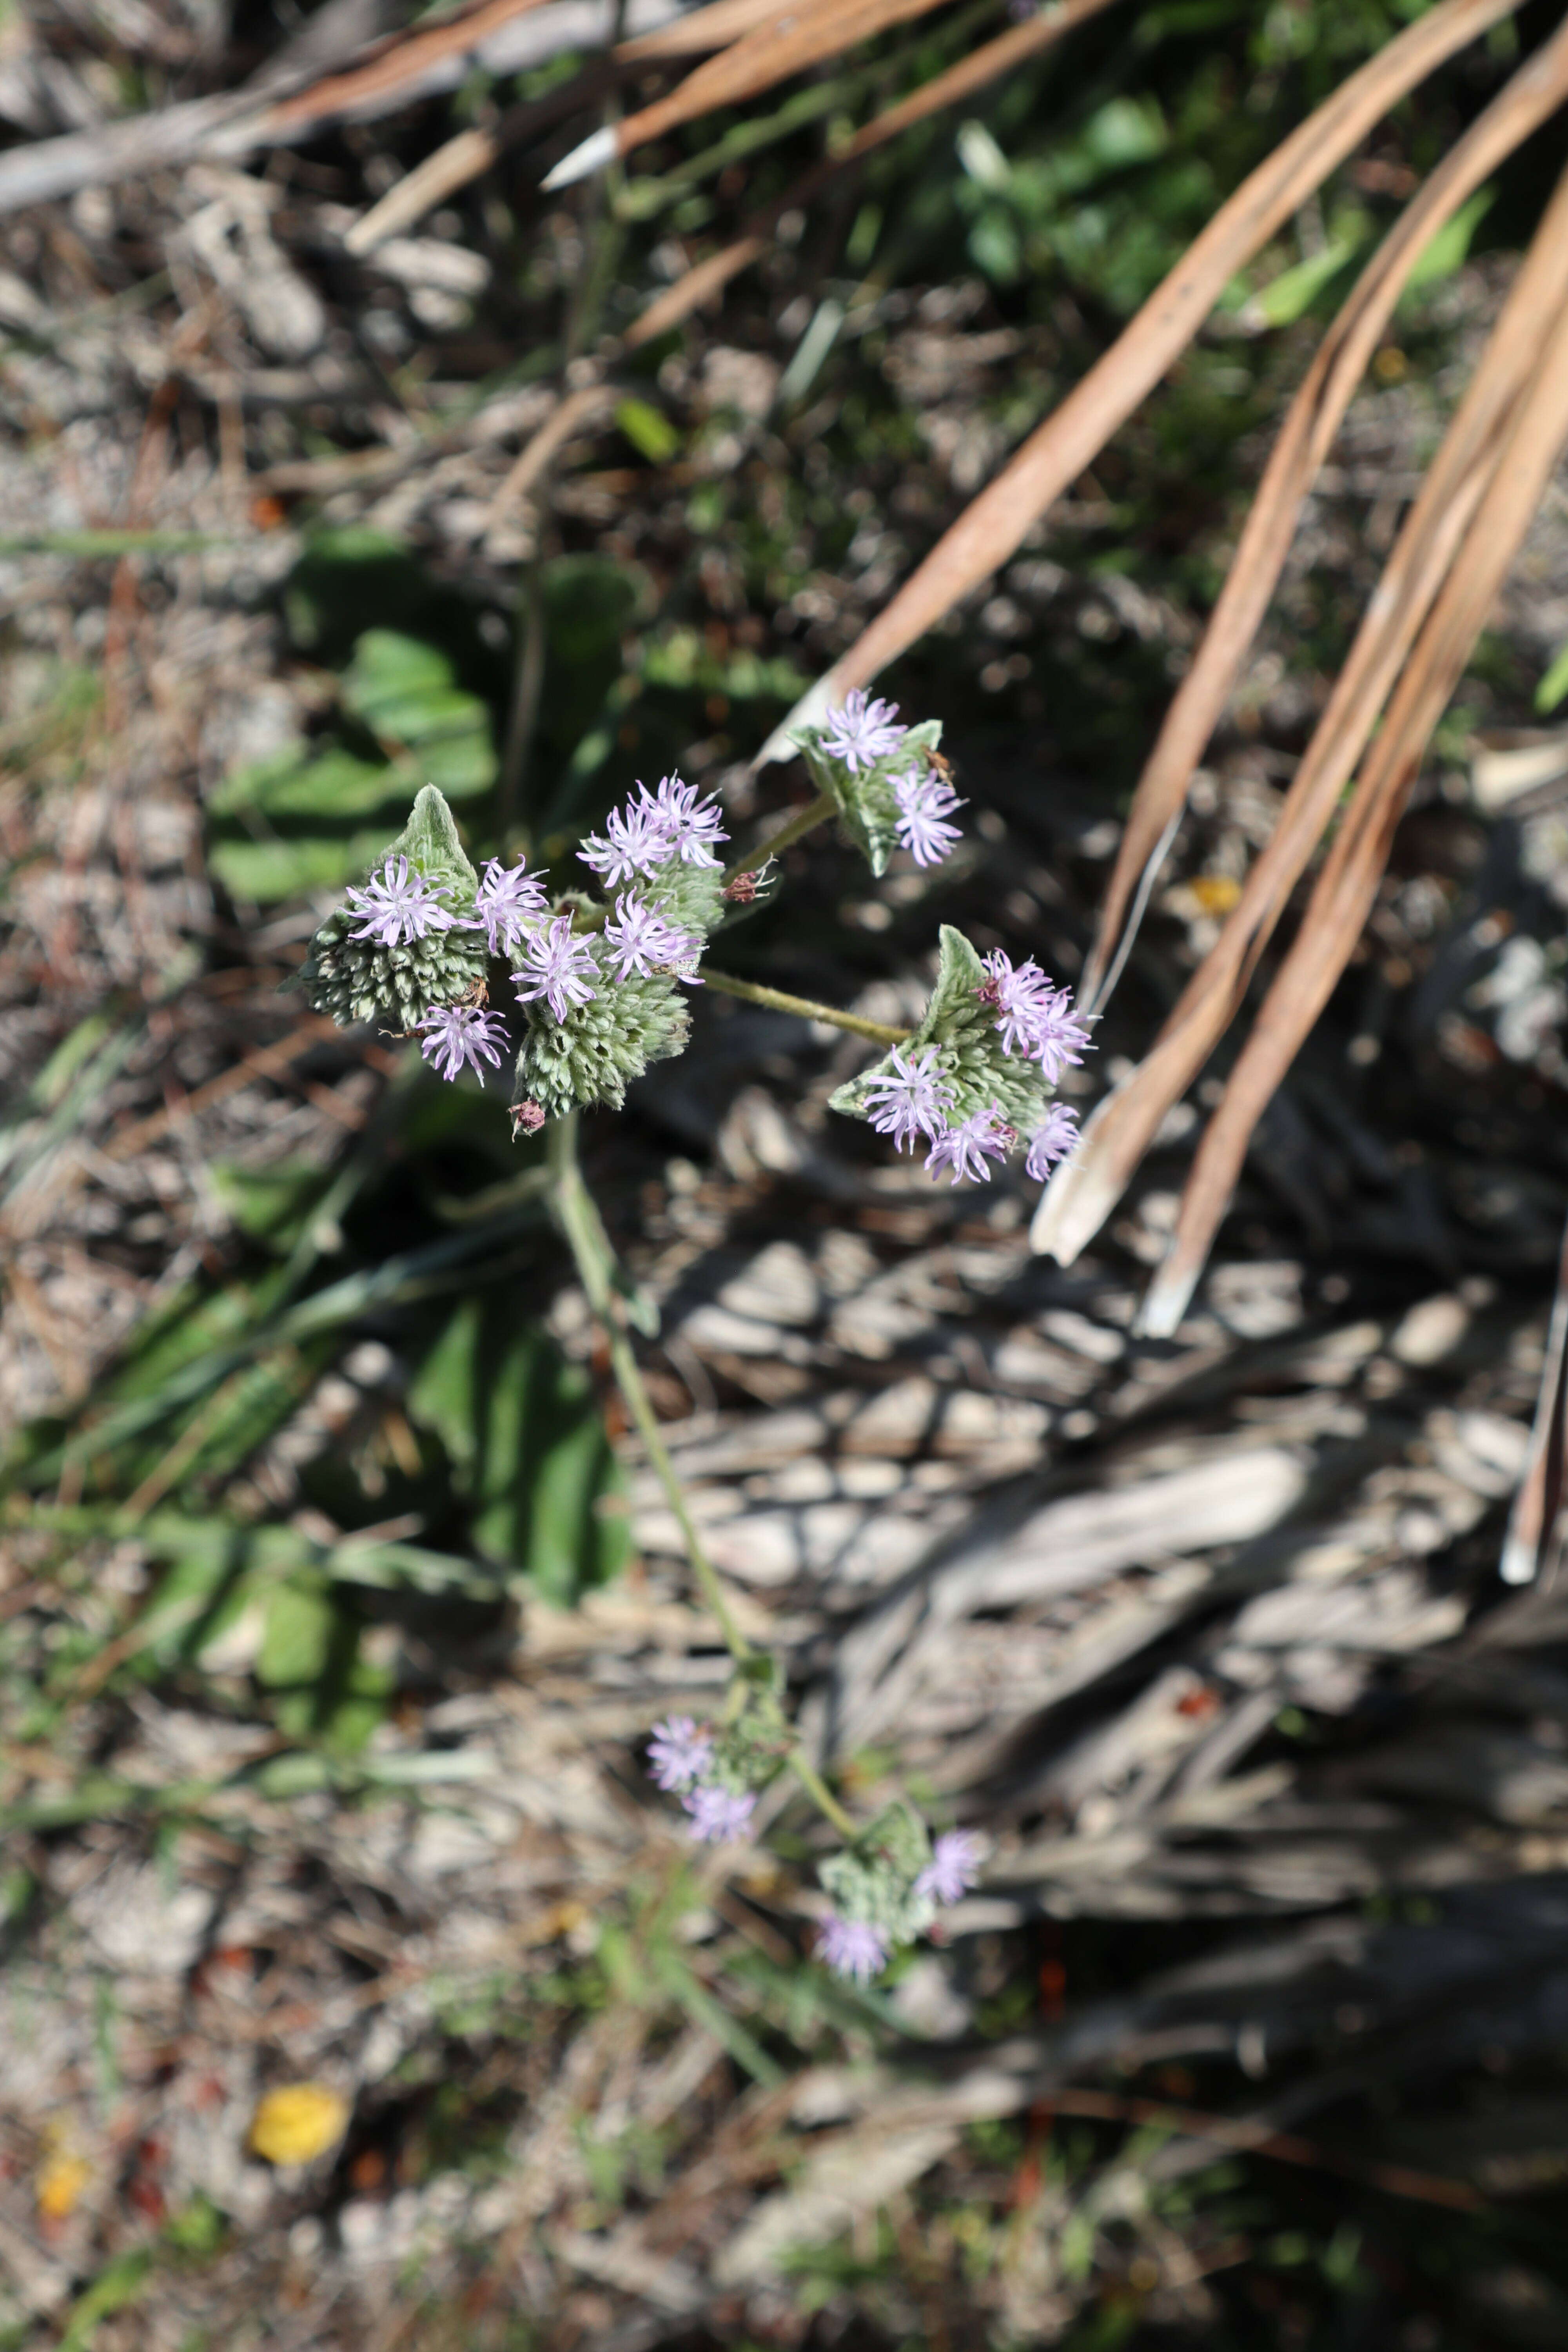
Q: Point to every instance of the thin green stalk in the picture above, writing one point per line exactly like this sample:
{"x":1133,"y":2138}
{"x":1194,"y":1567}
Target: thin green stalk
{"x":821,"y":1796}
{"x":804,"y":820}
{"x":776,"y":999}
{"x":590,"y":1247}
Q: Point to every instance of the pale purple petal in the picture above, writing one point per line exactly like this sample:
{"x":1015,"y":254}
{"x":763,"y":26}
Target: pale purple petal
{"x":557,"y":967}
{"x":853,"y":1947}
{"x":679,"y":1752}
{"x":1035,"y":1019}
{"x":925,"y":802}
{"x":455,"y":1035}
{"x":860,"y":732}
{"x":720,"y":1816}
{"x":1053,"y":1140}
{"x":692,"y":826}
{"x":508,"y":905}
{"x":953,"y":1868}
{"x":644,"y":942}
{"x":398,"y":906}
{"x":966,"y":1146}
{"x":634,"y":841}
{"x":910,"y":1098}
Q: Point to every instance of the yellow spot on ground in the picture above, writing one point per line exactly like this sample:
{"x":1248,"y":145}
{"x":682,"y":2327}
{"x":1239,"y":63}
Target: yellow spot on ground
{"x":61,"y":2179}
{"x":1215,"y":894}
{"x":297,"y":2123}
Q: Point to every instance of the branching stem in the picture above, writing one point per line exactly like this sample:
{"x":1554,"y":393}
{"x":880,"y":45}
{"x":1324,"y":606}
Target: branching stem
{"x":804,"y":820}
{"x":880,"y":1032}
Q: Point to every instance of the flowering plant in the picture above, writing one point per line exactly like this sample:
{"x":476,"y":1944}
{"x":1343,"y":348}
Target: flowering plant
{"x":599,"y":986}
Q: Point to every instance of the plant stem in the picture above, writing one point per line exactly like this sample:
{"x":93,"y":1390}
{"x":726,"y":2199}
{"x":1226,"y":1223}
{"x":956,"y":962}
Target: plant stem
{"x":775,"y":999}
{"x":821,"y":1796}
{"x":804,"y":820}
{"x":590,"y":1246}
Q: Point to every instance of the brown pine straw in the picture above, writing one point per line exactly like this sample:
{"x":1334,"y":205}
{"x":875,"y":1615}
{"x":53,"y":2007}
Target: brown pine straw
{"x":993,"y":525}
{"x":1534,"y":92}
{"x":1083,"y":1193}
{"x":1531,"y":1546}
{"x":983,"y":65}
{"x":1524,"y":454}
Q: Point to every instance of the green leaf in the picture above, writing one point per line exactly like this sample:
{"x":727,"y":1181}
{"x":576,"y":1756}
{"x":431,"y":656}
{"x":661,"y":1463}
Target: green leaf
{"x":333,"y":786}
{"x":969,"y":1048}
{"x":271,"y":1204}
{"x":266,"y":871}
{"x":528,"y":1448}
{"x":1294,"y":292}
{"x":302,"y":1624}
{"x":1555,"y":685}
{"x":116,"y":2285}
{"x":649,"y":430}
{"x":1449,"y":248}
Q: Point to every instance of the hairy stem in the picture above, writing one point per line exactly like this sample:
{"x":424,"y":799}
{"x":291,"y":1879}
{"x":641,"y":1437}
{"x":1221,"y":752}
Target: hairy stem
{"x":804,"y":820}
{"x":775,"y":999}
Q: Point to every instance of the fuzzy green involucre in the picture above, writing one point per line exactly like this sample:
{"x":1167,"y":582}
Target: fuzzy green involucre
{"x":865,"y":799}
{"x":594,"y":1053}
{"x":969,"y":1048}
{"x":361,"y":980}
{"x":875,"y":1879}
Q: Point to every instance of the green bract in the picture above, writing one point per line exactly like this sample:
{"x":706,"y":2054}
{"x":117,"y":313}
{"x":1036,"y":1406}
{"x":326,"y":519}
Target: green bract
{"x":360,"y":980}
{"x":594,"y":1053}
{"x":865,"y":801}
{"x":969,"y":1048}
{"x":874,"y":1879}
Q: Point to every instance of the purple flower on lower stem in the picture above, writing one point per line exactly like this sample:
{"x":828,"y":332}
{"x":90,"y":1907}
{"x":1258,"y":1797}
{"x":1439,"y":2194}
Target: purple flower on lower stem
{"x":953,"y":1868}
{"x":634,"y":841}
{"x":508,"y":905}
{"x":1053,"y":1140}
{"x":689,"y":823}
{"x":853,"y":1947}
{"x":557,"y":967}
{"x":455,"y":1035}
{"x":679,"y":1752}
{"x":643,"y":941}
{"x":925,"y":802}
{"x":860,"y":732}
{"x":398,"y":906}
{"x":720,"y":1816}
{"x":914,"y":1097}
{"x":966,"y":1146}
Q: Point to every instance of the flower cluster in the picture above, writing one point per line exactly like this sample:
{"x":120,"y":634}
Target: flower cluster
{"x":889,"y":782}
{"x":598,"y":986}
{"x":886,"y":1888}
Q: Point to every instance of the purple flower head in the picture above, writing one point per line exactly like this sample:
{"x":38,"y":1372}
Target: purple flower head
{"x":953,"y":1868}
{"x":964,"y":1148}
{"x":679,"y":1752}
{"x":634,"y":841}
{"x":1053,"y":1140}
{"x":644,"y":941}
{"x":455,"y":1034}
{"x":915,"y":1098}
{"x":925,"y":802}
{"x":689,"y":824}
{"x":860,"y":732}
{"x":509,"y":904}
{"x":557,"y":967}
{"x":1037,"y":1020}
{"x":398,"y":906}
{"x":853,"y":1947}
{"x":719,"y":1816}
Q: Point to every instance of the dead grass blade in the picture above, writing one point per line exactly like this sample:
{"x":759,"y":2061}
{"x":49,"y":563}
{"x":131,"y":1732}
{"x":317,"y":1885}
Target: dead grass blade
{"x":993,"y":525}
{"x":983,"y":65}
{"x":1530,"y":1542}
{"x":1308,"y":433}
{"x":1084,"y":1189}
{"x":1521,"y":461}
{"x":787,"y":43}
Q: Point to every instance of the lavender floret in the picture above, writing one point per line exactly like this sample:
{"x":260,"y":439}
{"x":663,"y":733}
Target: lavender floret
{"x":965,"y":1148}
{"x":557,"y":967}
{"x":509,"y":904}
{"x":398,"y":906}
{"x":454,"y":1036}
{"x":1053,"y":1140}
{"x":925,"y":802}
{"x":953,"y":1868}
{"x":689,"y":824}
{"x":914,"y":1097}
{"x":853,"y":1947}
{"x":636,"y":840}
{"x":644,"y":942}
{"x":680,"y":1752}
{"x":860,"y":732}
{"x":720,"y":1816}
